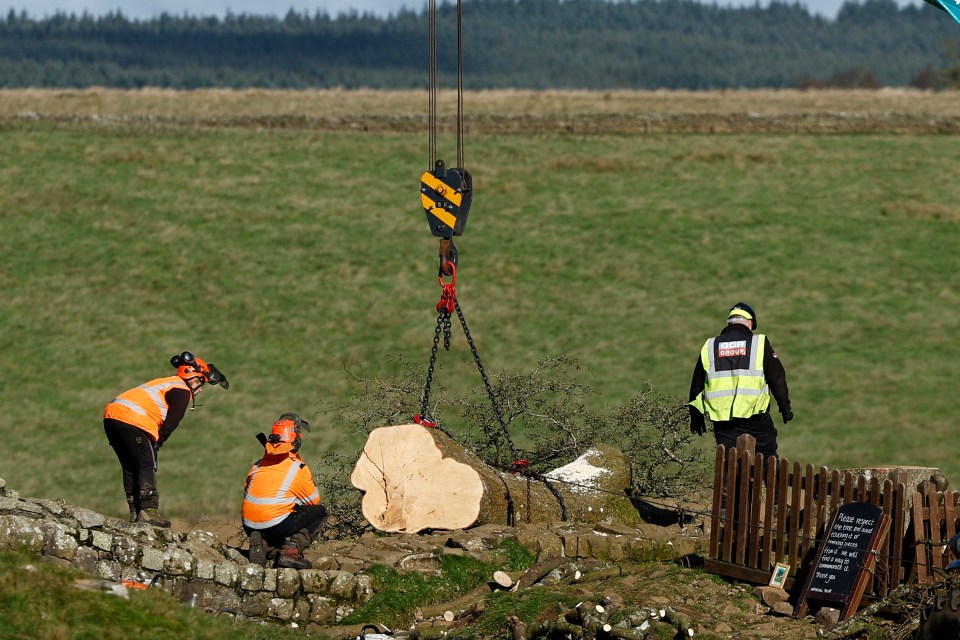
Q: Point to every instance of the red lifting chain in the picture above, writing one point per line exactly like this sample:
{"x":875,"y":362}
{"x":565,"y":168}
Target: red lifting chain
{"x":448,"y":300}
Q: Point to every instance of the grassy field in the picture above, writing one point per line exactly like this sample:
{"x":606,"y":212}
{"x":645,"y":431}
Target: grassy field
{"x":280,"y":254}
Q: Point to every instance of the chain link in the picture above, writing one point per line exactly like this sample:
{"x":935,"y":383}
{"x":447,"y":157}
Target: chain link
{"x":425,"y":402}
{"x":486,"y":381}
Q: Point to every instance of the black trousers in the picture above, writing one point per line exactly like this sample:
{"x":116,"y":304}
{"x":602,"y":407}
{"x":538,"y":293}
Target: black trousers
{"x":300,"y":527}
{"x":759,"y":426}
{"x":134,"y":449}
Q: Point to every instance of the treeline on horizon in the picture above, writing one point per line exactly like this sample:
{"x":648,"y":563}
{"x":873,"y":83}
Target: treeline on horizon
{"x":534,"y":44}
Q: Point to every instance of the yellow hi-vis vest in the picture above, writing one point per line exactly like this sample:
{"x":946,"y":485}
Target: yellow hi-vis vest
{"x":739,"y":392}
{"x":145,"y":406}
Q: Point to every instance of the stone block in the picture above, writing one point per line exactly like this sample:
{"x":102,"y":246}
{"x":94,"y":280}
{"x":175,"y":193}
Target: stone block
{"x":575,"y":546}
{"x":49,"y":505}
{"x":615,"y":529}
{"x":269,"y":580}
{"x":235,"y":556}
{"x":15,"y":504}
{"x":87,"y":519}
{"x":598,"y":545}
{"x":58,"y":542}
{"x":86,"y":559}
{"x":206,"y":569}
{"x":322,"y":610}
{"x":254,"y":605}
{"x":227,"y":573}
{"x":101,"y":540}
{"x":364,"y":588}
{"x":343,"y":586}
{"x":177,"y":562}
{"x":109,"y":570}
{"x":201,"y":546}
{"x":280,"y":609}
{"x":425,"y":563}
{"x":206,"y":595}
{"x":251,"y":578}
{"x":315,"y":580}
{"x":125,"y":550}
{"x":771,"y":595}
{"x":288,"y":582}
{"x":20,"y":532}
{"x":325,"y":563}
{"x":301,"y":610}
{"x":152,"y":559}
{"x":351,"y":565}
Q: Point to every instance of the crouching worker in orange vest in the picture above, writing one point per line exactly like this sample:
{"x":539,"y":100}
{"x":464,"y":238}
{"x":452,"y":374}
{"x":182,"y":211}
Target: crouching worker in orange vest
{"x":139,"y":421}
{"x":281,"y":504}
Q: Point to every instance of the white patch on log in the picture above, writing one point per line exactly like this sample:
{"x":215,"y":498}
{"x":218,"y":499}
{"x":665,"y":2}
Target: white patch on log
{"x":581,"y":474}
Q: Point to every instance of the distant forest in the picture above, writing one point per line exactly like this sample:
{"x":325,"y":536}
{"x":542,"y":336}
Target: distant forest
{"x":534,"y":44}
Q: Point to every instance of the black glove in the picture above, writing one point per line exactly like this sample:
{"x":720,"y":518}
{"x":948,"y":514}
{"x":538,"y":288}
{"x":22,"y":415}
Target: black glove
{"x":698,"y":427}
{"x":787,"y":416}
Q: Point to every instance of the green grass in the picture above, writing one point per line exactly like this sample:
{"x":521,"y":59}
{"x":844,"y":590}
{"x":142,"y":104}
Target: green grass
{"x":280,"y":254}
{"x":398,"y":594}
{"x":42,"y":602}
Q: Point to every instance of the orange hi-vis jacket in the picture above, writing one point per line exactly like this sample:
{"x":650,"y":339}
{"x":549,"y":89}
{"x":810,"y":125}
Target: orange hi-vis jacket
{"x":275,"y":486}
{"x":145,"y":406}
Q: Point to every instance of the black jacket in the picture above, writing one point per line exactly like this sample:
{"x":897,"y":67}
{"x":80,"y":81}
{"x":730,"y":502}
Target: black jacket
{"x":772,"y":370}
{"x":177,"y":402}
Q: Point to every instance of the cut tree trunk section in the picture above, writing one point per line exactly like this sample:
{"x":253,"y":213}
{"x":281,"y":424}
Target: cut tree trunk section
{"x":415,"y":478}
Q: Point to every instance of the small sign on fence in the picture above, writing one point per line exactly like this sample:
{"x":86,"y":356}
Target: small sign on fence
{"x":847,"y":553}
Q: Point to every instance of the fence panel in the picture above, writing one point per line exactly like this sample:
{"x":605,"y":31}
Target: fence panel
{"x":767,"y":511}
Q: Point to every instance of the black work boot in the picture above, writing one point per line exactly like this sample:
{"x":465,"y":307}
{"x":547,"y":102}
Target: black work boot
{"x":152,"y":517}
{"x":302,"y":540}
{"x":258,"y":552}
{"x":134,"y":509}
{"x":291,"y":557}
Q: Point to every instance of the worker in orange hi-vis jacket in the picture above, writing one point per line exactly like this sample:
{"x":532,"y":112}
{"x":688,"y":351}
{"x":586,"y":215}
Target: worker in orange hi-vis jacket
{"x":281,"y":504}
{"x":138,"y":421}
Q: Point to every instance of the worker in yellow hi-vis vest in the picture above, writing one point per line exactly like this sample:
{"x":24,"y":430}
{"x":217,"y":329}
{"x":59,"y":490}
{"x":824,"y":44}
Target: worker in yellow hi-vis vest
{"x":735,"y":375}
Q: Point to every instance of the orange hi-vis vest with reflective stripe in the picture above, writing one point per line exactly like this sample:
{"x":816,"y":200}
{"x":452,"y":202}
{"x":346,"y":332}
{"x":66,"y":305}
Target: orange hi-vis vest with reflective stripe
{"x":275,"y":485}
{"x":145,"y":406}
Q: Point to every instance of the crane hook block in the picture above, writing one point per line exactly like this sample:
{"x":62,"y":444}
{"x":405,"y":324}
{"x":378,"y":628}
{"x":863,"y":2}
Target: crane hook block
{"x":446,"y":195}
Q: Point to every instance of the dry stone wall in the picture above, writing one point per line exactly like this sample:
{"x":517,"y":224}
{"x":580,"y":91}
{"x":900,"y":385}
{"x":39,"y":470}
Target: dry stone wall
{"x":200,"y":569}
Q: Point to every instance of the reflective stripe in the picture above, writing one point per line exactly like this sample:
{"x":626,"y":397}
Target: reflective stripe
{"x":267,"y":524}
{"x":310,"y":498}
{"x":131,"y":405}
{"x":281,"y":496}
{"x":156,"y":395}
{"x":734,"y":373}
{"x":739,"y":391}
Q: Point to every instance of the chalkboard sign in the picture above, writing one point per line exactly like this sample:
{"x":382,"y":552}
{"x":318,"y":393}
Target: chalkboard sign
{"x":846,"y":554}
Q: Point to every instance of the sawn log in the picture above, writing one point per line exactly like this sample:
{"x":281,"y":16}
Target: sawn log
{"x":416,"y":478}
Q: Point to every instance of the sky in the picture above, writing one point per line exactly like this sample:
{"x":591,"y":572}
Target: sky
{"x":145,"y":9}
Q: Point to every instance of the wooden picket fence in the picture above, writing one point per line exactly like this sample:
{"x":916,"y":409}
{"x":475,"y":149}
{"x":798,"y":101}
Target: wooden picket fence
{"x":766,"y":513}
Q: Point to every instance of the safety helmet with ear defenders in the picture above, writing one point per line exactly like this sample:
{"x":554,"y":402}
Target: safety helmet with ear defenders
{"x":287,"y":430}
{"x":189,"y":366}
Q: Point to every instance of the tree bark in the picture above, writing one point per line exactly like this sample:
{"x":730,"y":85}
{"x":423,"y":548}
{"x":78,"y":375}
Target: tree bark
{"x":416,"y":478}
